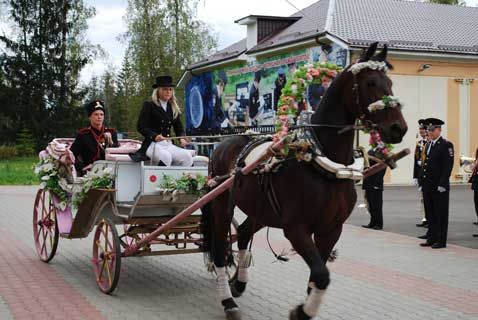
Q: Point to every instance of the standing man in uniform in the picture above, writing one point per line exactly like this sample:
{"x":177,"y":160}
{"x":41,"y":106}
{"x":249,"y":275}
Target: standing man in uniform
{"x":435,"y":183}
{"x":373,"y":186}
{"x":417,"y":166}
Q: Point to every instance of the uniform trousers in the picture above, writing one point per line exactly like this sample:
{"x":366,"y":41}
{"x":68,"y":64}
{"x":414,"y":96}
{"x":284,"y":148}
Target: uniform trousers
{"x":475,"y":197}
{"x":375,"y":205}
{"x":436,"y":204}
{"x":169,"y":154}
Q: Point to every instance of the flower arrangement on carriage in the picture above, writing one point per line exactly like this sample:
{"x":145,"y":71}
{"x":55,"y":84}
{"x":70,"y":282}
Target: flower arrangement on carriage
{"x":189,"y":186}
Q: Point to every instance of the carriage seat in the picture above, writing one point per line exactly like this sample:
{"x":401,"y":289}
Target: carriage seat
{"x":121,"y":153}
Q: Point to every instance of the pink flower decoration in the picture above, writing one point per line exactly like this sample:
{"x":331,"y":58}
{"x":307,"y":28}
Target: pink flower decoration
{"x":315,"y":73}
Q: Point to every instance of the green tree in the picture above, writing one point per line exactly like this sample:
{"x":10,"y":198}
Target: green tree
{"x":451,"y":2}
{"x":43,"y":60}
{"x":164,"y":36}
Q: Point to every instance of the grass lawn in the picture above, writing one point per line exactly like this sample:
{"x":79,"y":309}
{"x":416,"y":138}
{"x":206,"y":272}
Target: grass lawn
{"x":18,"y":171}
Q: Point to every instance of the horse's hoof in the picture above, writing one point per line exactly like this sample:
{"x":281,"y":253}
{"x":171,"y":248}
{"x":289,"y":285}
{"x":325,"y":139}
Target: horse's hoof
{"x":233,"y":314}
{"x":298,"y":314}
{"x":237,"y":288}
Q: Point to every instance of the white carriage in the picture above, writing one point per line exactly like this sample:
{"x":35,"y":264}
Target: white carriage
{"x":137,"y":203}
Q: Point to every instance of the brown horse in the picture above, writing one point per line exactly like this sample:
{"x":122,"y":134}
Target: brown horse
{"x":310,"y":203}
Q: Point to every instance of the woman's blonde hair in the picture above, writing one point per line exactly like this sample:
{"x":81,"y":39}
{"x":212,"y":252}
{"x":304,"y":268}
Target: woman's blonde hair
{"x":174,"y":104}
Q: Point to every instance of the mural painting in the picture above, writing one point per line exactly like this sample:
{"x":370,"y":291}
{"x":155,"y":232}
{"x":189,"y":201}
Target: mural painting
{"x":247,"y":94}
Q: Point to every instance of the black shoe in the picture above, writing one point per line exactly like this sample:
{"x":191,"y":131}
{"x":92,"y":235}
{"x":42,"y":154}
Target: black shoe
{"x":423,"y":224}
{"x":423,"y":237}
{"x":368,"y":226}
{"x":438,"y":245}
{"x":475,"y":223}
{"x":475,"y":235}
{"x":426,"y":244}
{"x":138,"y":156}
{"x":161,"y":164}
{"x":377,"y":228}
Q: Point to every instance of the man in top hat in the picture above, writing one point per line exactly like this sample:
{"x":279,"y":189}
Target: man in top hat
{"x":417,"y":166}
{"x":435,"y":183}
{"x":90,"y":142}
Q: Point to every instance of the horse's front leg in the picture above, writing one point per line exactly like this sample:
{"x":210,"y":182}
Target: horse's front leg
{"x":302,"y":243}
{"x":245,"y":233}
{"x":221,"y":225}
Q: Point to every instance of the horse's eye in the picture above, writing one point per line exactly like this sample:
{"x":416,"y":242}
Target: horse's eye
{"x":371,"y":83}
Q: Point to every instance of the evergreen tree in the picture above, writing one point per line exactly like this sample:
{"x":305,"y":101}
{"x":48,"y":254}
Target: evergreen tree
{"x":43,"y":60}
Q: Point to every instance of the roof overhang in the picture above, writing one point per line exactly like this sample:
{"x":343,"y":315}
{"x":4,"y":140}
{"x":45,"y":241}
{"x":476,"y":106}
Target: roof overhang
{"x":253,"y":18}
{"x":315,"y":39}
{"x":189,"y":73}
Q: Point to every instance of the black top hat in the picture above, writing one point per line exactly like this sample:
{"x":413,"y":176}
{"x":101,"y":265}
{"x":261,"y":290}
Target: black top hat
{"x":164,"y":81}
{"x":434,"y":123}
{"x":421,"y":124}
{"x":95,"y":105}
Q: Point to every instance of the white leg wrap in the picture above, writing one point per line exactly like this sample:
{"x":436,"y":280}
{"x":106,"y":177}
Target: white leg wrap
{"x":243,"y":265}
{"x":223,"y":284}
{"x":312,"y":303}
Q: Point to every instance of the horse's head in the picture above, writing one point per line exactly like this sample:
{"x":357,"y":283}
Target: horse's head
{"x":372,"y":100}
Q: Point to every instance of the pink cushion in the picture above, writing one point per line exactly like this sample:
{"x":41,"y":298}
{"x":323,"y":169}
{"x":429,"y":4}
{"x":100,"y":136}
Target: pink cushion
{"x":118,"y":157}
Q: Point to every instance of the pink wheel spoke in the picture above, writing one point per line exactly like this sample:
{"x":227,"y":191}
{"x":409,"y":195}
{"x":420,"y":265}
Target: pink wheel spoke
{"x":106,"y":237}
{"x":43,"y":248}
{"x":39,"y":230}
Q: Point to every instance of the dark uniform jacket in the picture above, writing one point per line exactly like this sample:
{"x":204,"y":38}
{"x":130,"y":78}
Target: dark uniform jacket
{"x":374,"y":182}
{"x":153,"y":121}
{"x":420,"y":153}
{"x":89,"y":146}
{"x":436,"y":169}
{"x":474,"y":179}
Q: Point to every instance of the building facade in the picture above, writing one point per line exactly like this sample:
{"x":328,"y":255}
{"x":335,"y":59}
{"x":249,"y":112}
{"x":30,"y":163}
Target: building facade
{"x":433,"y":48}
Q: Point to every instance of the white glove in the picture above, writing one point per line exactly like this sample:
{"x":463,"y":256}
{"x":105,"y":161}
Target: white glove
{"x":415,"y":182}
{"x":420,"y":188}
{"x":441,"y":189}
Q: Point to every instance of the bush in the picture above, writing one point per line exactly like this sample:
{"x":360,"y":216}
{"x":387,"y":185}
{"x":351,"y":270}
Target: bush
{"x":8,"y":152}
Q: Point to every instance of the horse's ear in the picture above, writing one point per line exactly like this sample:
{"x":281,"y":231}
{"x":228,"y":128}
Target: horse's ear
{"x":370,"y":52}
{"x":382,"y":56}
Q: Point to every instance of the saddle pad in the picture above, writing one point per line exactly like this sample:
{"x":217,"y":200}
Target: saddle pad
{"x":257,"y":152}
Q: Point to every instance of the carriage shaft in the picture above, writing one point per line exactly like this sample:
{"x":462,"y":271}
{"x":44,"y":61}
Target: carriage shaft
{"x":275,"y":148}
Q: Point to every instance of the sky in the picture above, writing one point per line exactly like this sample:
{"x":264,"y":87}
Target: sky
{"x":108,"y":24}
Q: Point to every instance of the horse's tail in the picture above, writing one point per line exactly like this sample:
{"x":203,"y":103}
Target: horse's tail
{"x":207,"y":230}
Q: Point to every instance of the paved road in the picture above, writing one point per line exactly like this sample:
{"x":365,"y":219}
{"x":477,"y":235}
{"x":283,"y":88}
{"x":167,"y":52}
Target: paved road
{"x":378,"y":275}
{"x":401,"y":214}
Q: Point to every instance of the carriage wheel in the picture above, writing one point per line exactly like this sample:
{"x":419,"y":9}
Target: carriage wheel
{"x":45,"y":228}
{"x":106,"y":256}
